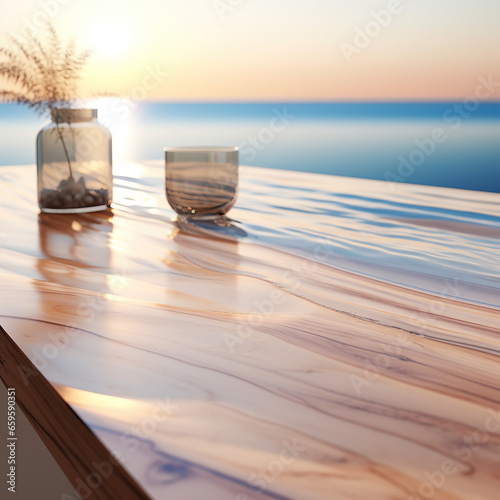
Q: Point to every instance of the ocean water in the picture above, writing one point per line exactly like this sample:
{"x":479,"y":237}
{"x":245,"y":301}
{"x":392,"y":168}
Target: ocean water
{"x":441,"y":144}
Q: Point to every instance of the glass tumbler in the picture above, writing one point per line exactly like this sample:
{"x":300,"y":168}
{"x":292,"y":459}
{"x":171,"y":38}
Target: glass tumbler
{"x":201,"y":181}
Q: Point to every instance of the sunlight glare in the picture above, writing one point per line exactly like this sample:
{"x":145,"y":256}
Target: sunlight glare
{"x":109,"y":40}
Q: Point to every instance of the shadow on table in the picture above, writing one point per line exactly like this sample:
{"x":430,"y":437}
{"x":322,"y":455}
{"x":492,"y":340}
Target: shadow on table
{"x":219,"y":227}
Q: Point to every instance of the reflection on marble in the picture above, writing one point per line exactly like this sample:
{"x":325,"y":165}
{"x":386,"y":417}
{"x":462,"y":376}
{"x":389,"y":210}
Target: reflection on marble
{"x":333,"y":338}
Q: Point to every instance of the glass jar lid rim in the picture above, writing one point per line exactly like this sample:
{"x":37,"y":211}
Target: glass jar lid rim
{"x":73,"y":114}
{"x":201,"y":149}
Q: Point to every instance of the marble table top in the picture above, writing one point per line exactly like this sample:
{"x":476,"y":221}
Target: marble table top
{"x":335,"y":338}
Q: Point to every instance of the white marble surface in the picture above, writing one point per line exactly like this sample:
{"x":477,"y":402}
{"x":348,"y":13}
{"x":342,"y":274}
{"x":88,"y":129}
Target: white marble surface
{"x":352,"y":322}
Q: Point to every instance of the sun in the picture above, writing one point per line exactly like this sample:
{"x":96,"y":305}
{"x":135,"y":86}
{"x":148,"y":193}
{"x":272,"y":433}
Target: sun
{"x":109,"y":40}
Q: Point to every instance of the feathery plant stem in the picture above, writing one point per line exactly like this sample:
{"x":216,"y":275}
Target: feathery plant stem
{"x":59,"y":131}
{"x":42,"y":76}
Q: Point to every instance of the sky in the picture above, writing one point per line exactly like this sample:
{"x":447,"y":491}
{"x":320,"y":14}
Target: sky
{"x":276,"y":50}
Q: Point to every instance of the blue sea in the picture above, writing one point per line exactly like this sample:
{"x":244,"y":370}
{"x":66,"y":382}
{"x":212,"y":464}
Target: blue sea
{"x":439,"y":143}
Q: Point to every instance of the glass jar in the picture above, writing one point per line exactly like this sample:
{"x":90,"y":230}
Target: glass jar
{"x":74,"y":163}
